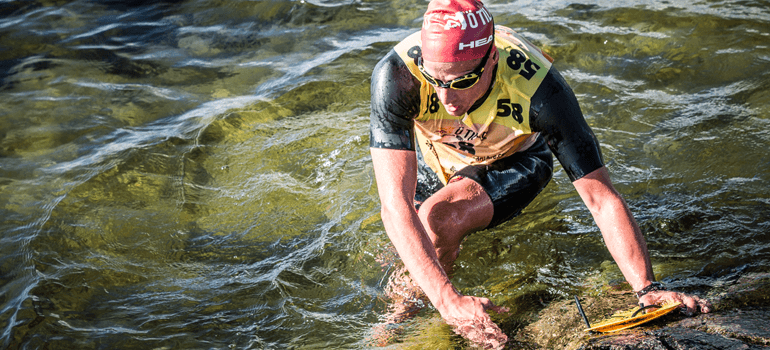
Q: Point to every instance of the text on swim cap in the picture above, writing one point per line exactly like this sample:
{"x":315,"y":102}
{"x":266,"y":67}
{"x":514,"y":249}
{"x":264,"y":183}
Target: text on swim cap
{"x":476,"y":43}
{"x":467,"y":19}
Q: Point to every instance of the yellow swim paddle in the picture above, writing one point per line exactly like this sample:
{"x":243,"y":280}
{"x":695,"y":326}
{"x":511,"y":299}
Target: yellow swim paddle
{"x":630,"y":318}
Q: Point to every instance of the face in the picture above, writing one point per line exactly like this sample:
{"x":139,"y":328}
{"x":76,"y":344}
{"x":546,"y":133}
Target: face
{"x":458,"y":102}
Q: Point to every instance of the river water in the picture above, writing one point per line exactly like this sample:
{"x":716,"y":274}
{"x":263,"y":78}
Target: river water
{"x":195,"y":174}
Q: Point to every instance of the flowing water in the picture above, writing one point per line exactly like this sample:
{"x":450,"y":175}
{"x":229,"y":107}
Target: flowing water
{"x":195,"y":174}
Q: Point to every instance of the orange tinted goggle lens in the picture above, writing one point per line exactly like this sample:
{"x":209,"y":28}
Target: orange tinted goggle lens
{"x":461,"y":83}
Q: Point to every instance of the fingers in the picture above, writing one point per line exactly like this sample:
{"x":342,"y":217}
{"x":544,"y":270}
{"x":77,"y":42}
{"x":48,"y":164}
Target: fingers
{"x":480,"y":329}
{"x":695,"y":305}
{"x":489,"y":305}
{"x":482,"y":332}
{"x":691,"y":304}
{"x":500,"y":309}
{"x":705,"y":306}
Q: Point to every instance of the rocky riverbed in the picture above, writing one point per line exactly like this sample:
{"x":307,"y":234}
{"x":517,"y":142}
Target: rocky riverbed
{"x":741,"y":320}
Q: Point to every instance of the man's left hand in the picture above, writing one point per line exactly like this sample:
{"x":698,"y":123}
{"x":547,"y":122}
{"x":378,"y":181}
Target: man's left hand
{"x":691,"y":304}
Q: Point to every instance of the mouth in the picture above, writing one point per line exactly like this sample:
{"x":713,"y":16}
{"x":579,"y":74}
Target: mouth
{"x":452,"y":109}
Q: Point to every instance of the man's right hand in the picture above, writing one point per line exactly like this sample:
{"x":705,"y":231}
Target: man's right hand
{"x":396,"y":174}
{"x":468,"y":317}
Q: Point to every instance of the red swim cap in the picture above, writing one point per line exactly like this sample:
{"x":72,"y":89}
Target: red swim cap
{"x":456,"y":30}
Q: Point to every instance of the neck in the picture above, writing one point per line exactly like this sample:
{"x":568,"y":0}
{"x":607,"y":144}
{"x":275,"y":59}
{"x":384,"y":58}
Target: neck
{"x":483,"y":97}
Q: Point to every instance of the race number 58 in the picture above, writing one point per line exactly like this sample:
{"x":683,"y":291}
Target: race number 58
{"x":507,"y":109}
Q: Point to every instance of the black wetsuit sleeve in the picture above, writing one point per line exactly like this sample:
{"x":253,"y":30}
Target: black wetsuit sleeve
{"x":556,"y":114}
{"x":395,"y":103}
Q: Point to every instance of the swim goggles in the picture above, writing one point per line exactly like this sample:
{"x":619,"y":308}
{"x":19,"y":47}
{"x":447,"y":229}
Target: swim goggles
{"x":462,"y":83}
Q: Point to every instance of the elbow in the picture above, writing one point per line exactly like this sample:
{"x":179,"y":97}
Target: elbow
{"x":599,"y":195}
{"x":607,"y":205}
{"x":386,"y":213}
{"x":394,"y":209}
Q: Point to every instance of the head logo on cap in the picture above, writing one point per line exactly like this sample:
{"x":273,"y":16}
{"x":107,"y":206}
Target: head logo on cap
{"x":456,"y":30}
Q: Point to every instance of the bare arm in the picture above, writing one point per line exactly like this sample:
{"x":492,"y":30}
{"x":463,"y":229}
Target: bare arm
{"x":396,"y":173}
{"x":619,"y":229}
{"x":624,"y":239}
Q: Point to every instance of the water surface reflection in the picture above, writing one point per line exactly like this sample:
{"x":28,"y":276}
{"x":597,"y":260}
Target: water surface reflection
{"x":188,"y":174}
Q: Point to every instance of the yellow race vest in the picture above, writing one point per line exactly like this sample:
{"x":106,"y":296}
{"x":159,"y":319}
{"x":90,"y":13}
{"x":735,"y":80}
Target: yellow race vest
{"x":497,"y":129}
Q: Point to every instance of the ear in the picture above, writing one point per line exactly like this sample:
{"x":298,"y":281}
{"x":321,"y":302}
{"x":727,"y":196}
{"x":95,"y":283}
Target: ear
{"x":495,"y":56}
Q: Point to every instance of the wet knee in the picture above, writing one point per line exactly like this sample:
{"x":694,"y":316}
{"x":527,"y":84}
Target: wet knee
{"x":442,"y":223}
{"x":436,"y":215}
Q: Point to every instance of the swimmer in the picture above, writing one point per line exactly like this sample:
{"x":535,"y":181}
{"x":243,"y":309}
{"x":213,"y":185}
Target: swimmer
{"x":466,"y":117}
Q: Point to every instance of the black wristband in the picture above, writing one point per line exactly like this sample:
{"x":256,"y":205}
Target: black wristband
{"x":652,"y":287}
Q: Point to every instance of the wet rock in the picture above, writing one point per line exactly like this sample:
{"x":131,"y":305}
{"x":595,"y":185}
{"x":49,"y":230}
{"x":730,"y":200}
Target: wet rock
{"x":741,"y":320}
{"x":750,"y":325}
{"x":676,"y":337}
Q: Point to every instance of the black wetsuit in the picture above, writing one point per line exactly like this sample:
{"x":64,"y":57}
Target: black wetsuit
{"x":511,"y":182}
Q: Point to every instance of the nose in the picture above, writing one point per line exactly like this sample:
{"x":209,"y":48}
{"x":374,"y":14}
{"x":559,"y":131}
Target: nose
{"x":446,"y":96}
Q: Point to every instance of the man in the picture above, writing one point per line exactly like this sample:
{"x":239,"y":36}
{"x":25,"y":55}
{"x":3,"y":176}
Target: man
{"x":487,"y":111}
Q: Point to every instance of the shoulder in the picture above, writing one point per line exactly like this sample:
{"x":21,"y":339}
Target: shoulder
{"x":522,"y":64}
{"x":557,"y":115}
{"x":394,"y":69}
{"x":554,"y":105}
{"x":553,"y":83}
{"x":391,"y":69}
{"x":394,"y":88}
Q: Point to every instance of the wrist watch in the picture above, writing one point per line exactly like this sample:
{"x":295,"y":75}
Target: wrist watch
{"x":652,"y":287}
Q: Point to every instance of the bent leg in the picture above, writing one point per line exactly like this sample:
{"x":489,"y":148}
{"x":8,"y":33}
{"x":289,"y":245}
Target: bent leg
{"x":476,"y":198}
{"x":459,"y":208}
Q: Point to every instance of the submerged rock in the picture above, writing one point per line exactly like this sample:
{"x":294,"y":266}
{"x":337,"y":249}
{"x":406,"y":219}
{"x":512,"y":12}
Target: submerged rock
{"x":741,"y":320}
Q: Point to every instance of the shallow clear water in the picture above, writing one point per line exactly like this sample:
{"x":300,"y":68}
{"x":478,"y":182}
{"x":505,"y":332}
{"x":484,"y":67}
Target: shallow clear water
{"x":193,"y":174}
